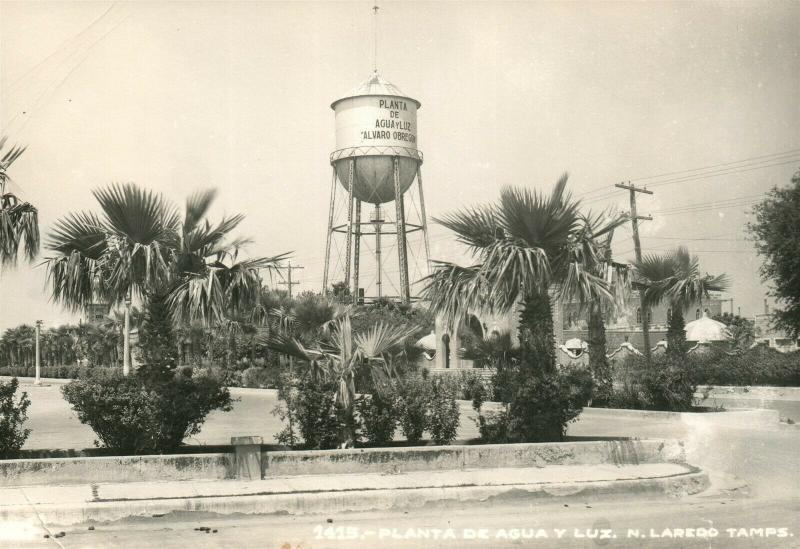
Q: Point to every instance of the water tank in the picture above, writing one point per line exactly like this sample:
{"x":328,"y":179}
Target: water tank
{"x":375,"y":123}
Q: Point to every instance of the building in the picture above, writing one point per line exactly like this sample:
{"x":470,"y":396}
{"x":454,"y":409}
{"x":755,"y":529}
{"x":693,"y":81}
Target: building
{"x":95,"y":312}
{"x":625,"y":325}
{"x":623,"y":329}
{"x":767,"y":334}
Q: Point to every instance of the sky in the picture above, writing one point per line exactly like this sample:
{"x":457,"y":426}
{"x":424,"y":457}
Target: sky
{"x":188,"y":95}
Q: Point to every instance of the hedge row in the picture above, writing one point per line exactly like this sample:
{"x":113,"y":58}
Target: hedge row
{"x":757,"y":366}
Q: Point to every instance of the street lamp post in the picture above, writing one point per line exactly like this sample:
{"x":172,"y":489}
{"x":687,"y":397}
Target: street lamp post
{"x":38,"y":354}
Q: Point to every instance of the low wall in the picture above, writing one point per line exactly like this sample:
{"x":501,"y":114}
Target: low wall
{"x":399,"y":460}
{"x":219,"y":466}
{"x":745,"y":418}
{"x":82,"y":470}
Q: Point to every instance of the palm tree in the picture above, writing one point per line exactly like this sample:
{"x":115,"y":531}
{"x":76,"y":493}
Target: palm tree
{"x":675,"y":277}
{"x":526,"y":246}
{"x":213,"y":281}
{"x":115,"y":257}
{"x":140,"y":247}
{"x":19,"y":221}
{"x":339,"y":357}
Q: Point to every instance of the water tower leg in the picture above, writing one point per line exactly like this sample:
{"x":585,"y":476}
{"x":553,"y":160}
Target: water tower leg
{"x":424,"y":219}
{"x":378,"y":222}
{"x":405,"y":293}
{"x":330,"y":233}
{"x":349,"y":246}
{"x":356,"y":249}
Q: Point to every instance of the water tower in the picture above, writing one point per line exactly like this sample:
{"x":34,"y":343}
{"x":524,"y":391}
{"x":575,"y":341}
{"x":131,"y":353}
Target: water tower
{"x":376,"y":163}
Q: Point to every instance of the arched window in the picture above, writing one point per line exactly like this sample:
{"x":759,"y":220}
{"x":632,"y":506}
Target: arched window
{"x":638,"y":315}
{"x":706,"y":312}
{"x":697,"y":314}
{"x":475,"y":326}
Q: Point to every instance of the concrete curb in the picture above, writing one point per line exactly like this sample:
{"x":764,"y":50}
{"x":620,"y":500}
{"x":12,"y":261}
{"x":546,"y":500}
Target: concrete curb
{"x":218,"y":466}
{"x":742,"y":417}
{"x":357,"y":500}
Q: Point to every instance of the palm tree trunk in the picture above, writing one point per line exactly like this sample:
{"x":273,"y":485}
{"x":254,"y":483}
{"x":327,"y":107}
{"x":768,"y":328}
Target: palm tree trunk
{"x":676,"y":335}
{"x":536,"y":334}
{"x":598,"y":362}
{"x":645,"y":326}
{"x":126,"y":339}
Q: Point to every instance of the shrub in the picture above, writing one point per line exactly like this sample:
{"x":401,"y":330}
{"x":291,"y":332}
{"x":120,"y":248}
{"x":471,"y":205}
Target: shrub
{"x":666,"y":385}
{"x":546,"y":402}
{"x":443,"y":416}
{"x":12,"y":416}
{"x":141,"y":415}
{"x":760,"y":365}
{"x":309,"y":405}
{"x":413,"y":398}
{"x":493,"y":427}
{"x":539,"y":406}
{"x":378,"y":413}
{"x":260,"y":378}
{"x":286,"y":409}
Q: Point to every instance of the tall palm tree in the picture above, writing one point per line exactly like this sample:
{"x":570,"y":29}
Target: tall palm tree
{"x":212,"y":281}
{"x":141,"y":248}
{"x":525,"y":246}
{"x":675,"y":277}
{"x":19,"y":221}
{"x":114,"y":257}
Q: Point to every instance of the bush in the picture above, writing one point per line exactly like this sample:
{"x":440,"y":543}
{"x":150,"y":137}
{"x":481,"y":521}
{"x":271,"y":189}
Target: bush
{"x":229,"y":378}
{"x":540,"y":404}
{"x":413,"y":398}
{"x":260,"y":378}
{"x":493,"y":427}
{"x":546,"y":402}
{"x":467,"y":384}
{"x":443,"y":416}
{"x":12,"y":416}
{"x":309,"y":406}
{"x":665,"y":385}
{"x":378,"y":413}
{"x":760,"y":365}
{"x":142,"y":415}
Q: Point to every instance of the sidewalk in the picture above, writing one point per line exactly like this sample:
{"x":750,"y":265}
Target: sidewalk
{"x":67,"y":505}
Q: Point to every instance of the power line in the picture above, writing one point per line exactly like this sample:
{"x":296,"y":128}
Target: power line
{"x":761,"y":159}
{"x":784,"y":153}
{"x":697,"y":177}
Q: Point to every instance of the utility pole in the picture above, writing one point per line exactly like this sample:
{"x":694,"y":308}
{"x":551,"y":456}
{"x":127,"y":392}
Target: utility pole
{"x":289,"y":283}
{"x":638,"y":247}
{"x":38,"y":354}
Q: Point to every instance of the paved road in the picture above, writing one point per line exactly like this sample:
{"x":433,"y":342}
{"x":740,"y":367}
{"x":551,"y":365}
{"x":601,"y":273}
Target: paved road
{"x":494,"y":524}
{"x":55,"y":426}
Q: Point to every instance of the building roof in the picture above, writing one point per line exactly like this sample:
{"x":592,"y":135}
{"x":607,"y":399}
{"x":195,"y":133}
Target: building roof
{"x":706,"y":329}
{"x":376,"y":85}
{"x":428,"y":342}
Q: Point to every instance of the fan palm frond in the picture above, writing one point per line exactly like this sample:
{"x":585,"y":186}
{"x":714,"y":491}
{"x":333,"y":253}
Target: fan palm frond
{"x":138,"y":215}
{"x":198,"y":298}
{"x":19,"y":220}
{"x":452,"y":290}
{"x":382,"y":339}
{"x":476,"y":227}
{"x":540,"y":221}
{"x":197,"y":206}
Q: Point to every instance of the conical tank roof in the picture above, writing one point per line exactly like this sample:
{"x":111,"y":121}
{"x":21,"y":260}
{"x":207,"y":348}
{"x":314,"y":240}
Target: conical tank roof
{"x":376,"y":85}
